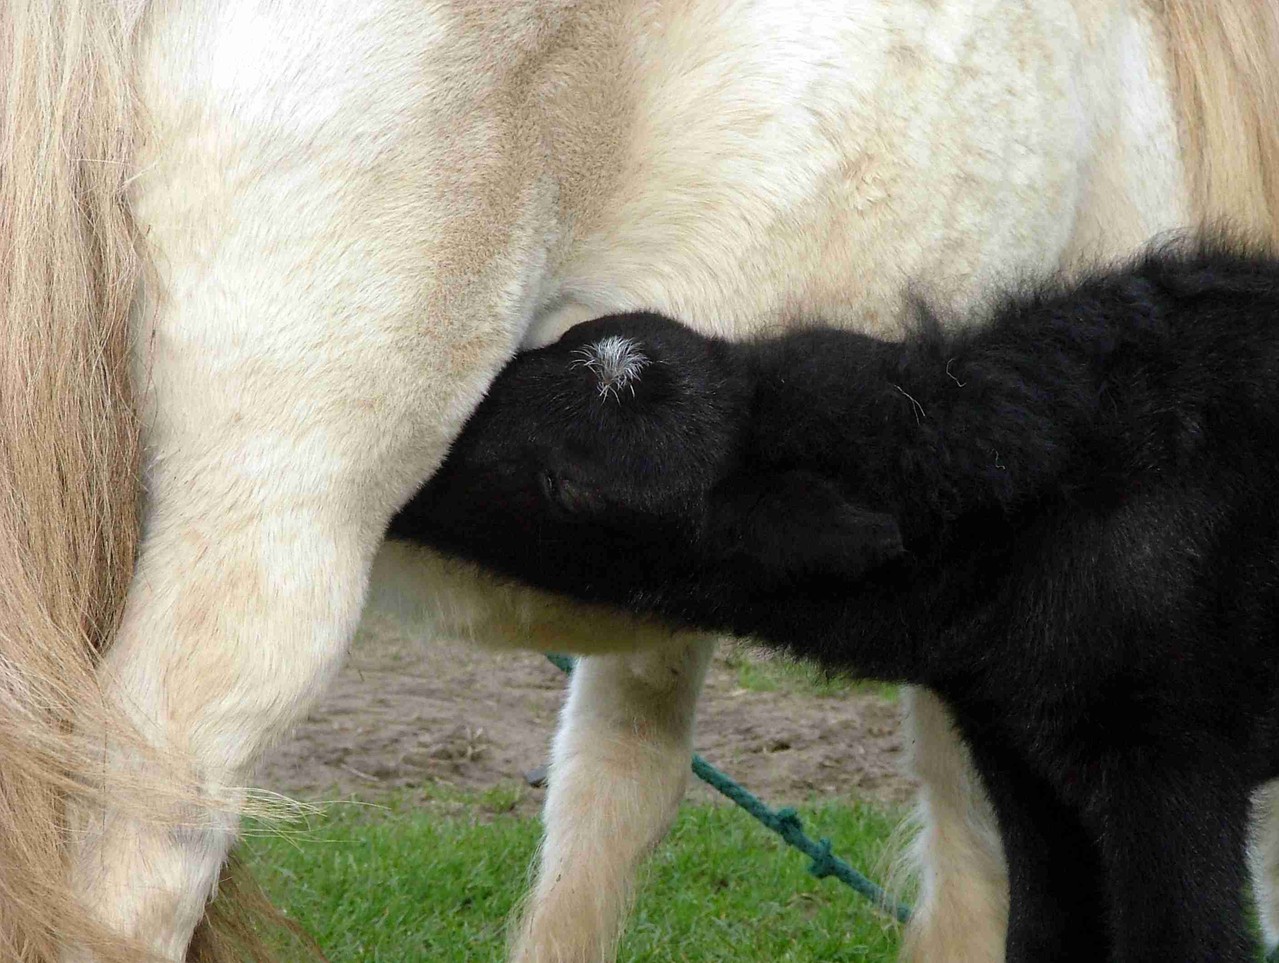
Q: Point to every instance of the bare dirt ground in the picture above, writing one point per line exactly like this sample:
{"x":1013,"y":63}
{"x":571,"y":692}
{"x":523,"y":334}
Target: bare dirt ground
{"x":410,"y":718}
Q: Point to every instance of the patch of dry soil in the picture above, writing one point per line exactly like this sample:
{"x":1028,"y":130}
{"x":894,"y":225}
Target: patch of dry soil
{"x":410,"y":717}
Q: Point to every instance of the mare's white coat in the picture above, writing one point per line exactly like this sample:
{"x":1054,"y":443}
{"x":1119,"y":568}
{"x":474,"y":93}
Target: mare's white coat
{"x":359,"y":211}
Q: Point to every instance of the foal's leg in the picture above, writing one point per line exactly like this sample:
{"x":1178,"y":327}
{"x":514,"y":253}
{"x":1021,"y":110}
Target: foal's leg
{"x":962,"y":910}
{"x":1056,"y":910}
{"x":1173,"y":845}
{"x":619,"y":769}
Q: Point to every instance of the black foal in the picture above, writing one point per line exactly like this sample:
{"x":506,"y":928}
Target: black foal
{"x":1063,"y":520}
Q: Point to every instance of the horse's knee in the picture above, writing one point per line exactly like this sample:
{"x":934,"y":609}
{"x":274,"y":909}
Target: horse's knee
{"x":621,"y":755}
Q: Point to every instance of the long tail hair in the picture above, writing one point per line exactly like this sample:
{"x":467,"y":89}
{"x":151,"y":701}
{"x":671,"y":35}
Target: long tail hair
{"x":1224,"y":57}
{"x":68,"y":437}
{"x":69,"y":454}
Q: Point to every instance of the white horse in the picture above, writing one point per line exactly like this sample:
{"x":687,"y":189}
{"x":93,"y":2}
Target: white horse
{"x":351,"y":214}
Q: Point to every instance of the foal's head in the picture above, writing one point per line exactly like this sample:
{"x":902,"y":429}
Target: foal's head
{"x":582,"y":450}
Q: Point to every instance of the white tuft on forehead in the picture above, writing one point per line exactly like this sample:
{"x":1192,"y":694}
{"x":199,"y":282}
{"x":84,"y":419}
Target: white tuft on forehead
{"x":615,"y":361}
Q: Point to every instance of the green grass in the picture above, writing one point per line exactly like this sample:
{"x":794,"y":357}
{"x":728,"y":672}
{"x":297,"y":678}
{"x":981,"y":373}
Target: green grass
{"x":402,"y":884}
{"x":778,"y":674}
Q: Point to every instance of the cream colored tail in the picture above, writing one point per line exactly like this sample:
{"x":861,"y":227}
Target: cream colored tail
{"x":68,"y":439}
{"x":1225,"y":63}
{"x":69,"y":467}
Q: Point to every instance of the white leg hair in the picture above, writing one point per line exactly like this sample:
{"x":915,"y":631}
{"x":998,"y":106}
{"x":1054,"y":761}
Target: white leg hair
{"x":962,"y":909}
{"x":1264,"y":856}
{"x":332,"y":294}
{"x":620,"y":762}
{"x":214,"y":685}
{"x":618,"y":771}
{"x":249,"y":585}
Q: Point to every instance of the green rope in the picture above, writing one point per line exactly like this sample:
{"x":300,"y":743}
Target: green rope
{"x":786,"y":823}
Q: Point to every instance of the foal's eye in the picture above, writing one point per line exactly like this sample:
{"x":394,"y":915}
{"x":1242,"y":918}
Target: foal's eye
{"x":550,"y":486}
{"x":567,"y":494}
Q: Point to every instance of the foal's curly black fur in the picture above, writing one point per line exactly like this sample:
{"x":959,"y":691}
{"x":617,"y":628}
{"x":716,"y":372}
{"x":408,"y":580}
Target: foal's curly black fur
{"x":1064,"y":521}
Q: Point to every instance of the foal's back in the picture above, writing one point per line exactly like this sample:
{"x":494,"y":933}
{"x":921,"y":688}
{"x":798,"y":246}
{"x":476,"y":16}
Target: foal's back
{"x":1152,"y":568}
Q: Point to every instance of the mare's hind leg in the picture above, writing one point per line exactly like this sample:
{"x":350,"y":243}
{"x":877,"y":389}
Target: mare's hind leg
{"x":345,"y":262}
{"x":619,"y":769}
{"x":962,"y":910}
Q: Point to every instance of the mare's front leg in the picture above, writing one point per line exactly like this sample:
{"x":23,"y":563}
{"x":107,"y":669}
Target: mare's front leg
{"x":1173,"y":827}
{"x":619,"y":769}
{"x":621,"y":759}
{"x":342,"y":263}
